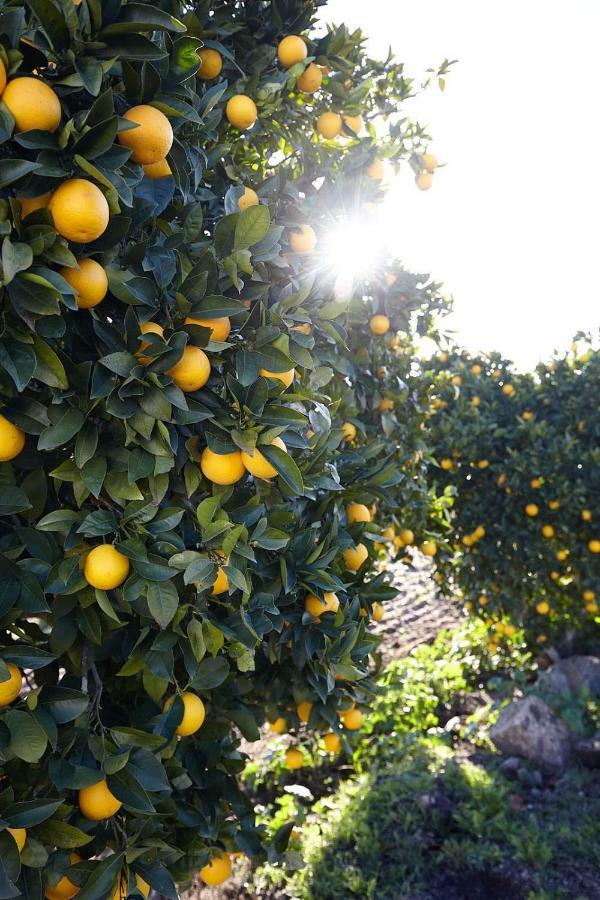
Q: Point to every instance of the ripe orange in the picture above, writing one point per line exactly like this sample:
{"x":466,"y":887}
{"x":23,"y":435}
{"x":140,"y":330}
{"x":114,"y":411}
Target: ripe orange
{"x":33,"y":103}
{"x":149,"y":328}
{"x":12,"y":440}
{"x":407,"y":536}
{"x":353,"y":123}
{"x":429,"y":162}
{"x":424,"y":180}
{"x":222,"y":582}
{"x":508,"y":390}
{"x":153,"y":137}
{"x":79,"y":210}
{"x":2,"y":76}
{"x":594,"y":546}
{"x":349,"y":431}
{"x":294,"y":759}
{"x":535,"y":483}
{"x":32,"y":204}
{"x":211,"y":63}
{"x":329,"y":125}
{"x":286,"y":378}
{"x":160,"y":169}
{"x":258,"y":465}
{"x":248,"y":198}
{"x":354,"y":557}
{"x":378,"y":612}
{"x":548,"y":531}
{"x":303,"y":239}
{"x":10,"y":689}
{"x":379,"y":324}
{"x":446,"y":464}
{"x":332,"y":742}
{"x":241,"y":111}
{"x":543,"y":607}
{"x":586,"y":515}
{"x":357,"y":512}
{"x":194,"y":713}
{"x":310,"y":80}
{"x":316,"y":607}
{"x":192,"y":371}
{"x":532,"y":509}
{"x":352,"y":719}
{"x":291,"y":50}
{"x":217,"y":870}
{"x":386,"y":404}
{"x":221,"y":327}
{"x":554,"y":504}
{"x":428,"y":548}
{"x":278,"y":725}
{"x":64,"y":889}
{"x":105,"y":567}
{"x":89,"y":280}
{"x":304,"y":710}
{"x":222,"y":468}
{"x":19,"y":835}
{"x":122,"y":889}
{"x":97,"y":802}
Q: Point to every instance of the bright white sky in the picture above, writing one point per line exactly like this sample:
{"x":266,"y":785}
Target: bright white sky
{"x":511,"y":223}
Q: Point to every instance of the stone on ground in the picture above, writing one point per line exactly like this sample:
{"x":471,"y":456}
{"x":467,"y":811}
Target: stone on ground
{"x":529,"y":728}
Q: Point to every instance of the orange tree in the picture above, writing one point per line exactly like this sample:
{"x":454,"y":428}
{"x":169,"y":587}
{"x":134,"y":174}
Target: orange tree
{"x":517,"y":457}
{"x":179,"y":379}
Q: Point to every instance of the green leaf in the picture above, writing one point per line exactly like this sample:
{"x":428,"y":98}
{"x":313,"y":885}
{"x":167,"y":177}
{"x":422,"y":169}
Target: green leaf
{"x":102,"y":881}
{"x":163,"y":601}
{"x":55,"y":833}
{"x":15,"y":258}
{"x":28,"y":740}
{"x":13,"y":500}
{"x":286,"y":467}
{"x":251,"y":226}
{"x":49,"y":368}
{"x":13,"y":169}
{"x":196,"y":639}
{"x":19,"y":361}
{"x":64,"y":430}
{"x":211,"y":673}
{"x":27,"y":813}
{"x":135,"y":17}
{"x":93,"y":475}
{"x":129,"y":791}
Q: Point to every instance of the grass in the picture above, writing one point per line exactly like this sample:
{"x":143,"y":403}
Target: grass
{"x":419,"y":808}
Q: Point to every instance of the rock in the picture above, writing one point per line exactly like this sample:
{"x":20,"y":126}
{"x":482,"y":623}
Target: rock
{"x":510,"y":765}
{"x":529,"y":728}
{"x":572,"y":675}
{"x":587,"y":751}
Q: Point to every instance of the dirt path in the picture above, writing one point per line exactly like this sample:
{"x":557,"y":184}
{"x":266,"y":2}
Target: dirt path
{"x":415,"y":616}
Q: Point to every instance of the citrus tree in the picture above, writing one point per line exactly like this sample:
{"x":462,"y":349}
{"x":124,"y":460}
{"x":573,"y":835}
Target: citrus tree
{"x":187,"y":435}
{"x":517,"y":457}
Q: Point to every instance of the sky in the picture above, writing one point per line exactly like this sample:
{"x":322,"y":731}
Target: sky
{"x":511,"y":223}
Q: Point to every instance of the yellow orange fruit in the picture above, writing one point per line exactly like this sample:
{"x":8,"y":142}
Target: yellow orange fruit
{"x":304,"y":710}
{"x":332,"y":742}
{"x":303,"y":328}
{"x":594,"y":546}
{"x":543,"y":607}
{"x":192,"y":371}
{"x":329,"y":125}
{"x":589,"y":595}
{"x":357,"y":512}
{"x":28,"y":205}
{"x":532,"y":509}
{"x":291,"y":50}
{"x":349,"y":431}
{"x":222,"y":582}
{"x":64,"y":889}
{"x":159,"y":169}
{"x":258,"y":465}
{"x":479,"y":533}
{"x":535,"y":483}
{"x":352,"y":719}
{"x":222,"y":468}
{"x":428,"y":548}
{"x":385,"y":404}
{"x":3,"y":76}
{"x":354,"y":557}
{"x":303,"y":239}
{"x":316,"y":607}
{"x":122,"y":889}
{"x":586,"y":515}
{"x":220,"y":327}
{"x":548,"y":531}
{"x":79,"y":210}
{"x":508,"y":390}
{"x":248,"y":198}
{"x":278,"y":725}
{"x":12,"y":440}
{"x":286,"y":378}
{"x":554,"y":504}
{"x":33,"y":103}
{"x":379,"y":324}
{"x":152,"y":139}
{"x":97,"y":802}
{"x":149,"y":328}
{"x":211,"y":63}
{"x":429,"y":162}
{"x":407,"y":536}
{"x":424,"y":180}
{"x":378,"y":612}
{"x":89,"y":281}
{"x":241,"y":112}
{"x":310,"y":80}
{"x":105,"y":567}
{"x":354,"y":124}
{"x":194,"y":713}
{"x":294,"y":759}
{"x":10,"y":689}
{"x":447,"y":464}
{"x":217,"y":870}
{"x":19,"y":835}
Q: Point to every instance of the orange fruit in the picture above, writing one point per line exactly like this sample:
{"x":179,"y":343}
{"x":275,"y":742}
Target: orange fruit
{"x":258,"y":465}
{"x":194,"y":713}
{"x":278,"y":725}
{"x":429,"y":162}
{"x":10,"y":689}
{"x":217,"y":870}
{"x":248,"y":198}
{"x":291,"y":50}
{"x":149,"y":328}
{"x":310,"y":80}
{"x":329,"y":125}
{"x":407,"y":537}
{"x":89,"y":280}
{"x":353,"y":123}
{"x":192,"y":371}
{"x":220,"y":327}
{"x":594,"y":546}
{"x":222,"y":468}
{"x":379,"y":324}
{"x":122,"y":889}
{"x":303,"y":239}
{"x":548,"y":531}
{"x":211,"y":63}
{"x":424,"y":180}
{"x":332,"y":742}
{"x":349,"y":431}
{"x":241,"y":111}
{"x":3,"y":77}
{"x":352,"y":719}
{"x":446,"y":464}
{"x":294,"y":759}
{"x":543,"y":608}
{"x":153,"y":137}
{"x":354,"y":557}
{"x":12,"y":440}
{"x":378,"y":612}
{"x":385,"y":404}
{"x":79,"y":210}
{"x":105,"y":567}
{"x":19,"y":835}
{"x":97,"y":802}
{"x":357,"y":512}
{"x":304,"y":710}
{"x":376,"y":171}
{"x":286,"y":378}
{"x":428,"y":548}
{"x":32,"y":204}
{"x":222,"y":582}
{"x":532,"y":509}
{"x":33,"y":103}
{"x":316,"y":607}
{"x":159,"y":169}
{"x":64,"y":889}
